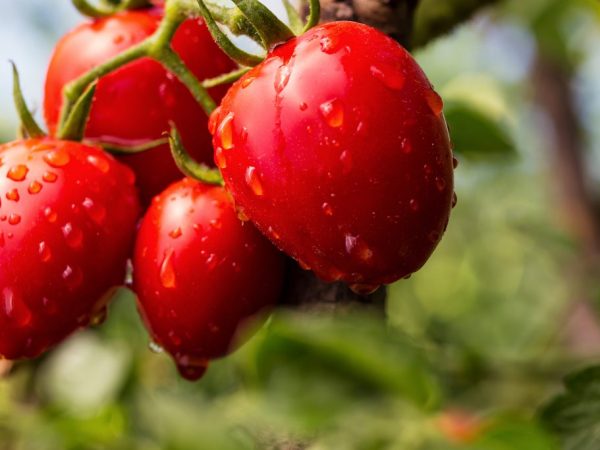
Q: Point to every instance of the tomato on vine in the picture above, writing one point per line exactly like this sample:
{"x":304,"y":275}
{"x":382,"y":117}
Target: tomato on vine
{"x":200,"y":274}
{"x":134,"y":104}
{"x":67,"y":219}
{"x":337,"y":149}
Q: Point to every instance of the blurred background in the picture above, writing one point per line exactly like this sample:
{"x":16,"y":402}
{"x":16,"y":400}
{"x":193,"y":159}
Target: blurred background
{"x":473,"y":345}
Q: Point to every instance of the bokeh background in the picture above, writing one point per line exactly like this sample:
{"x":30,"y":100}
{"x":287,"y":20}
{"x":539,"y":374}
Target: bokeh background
{"x":473,"y":345}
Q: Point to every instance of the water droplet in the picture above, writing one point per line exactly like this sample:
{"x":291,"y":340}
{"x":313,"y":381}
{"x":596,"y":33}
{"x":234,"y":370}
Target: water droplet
{"x":361,"y":128}
{"x":225,"y":132}
{"x":167,"y":96}
{"x":42,"y":147}
{"x":49,"y":177}
{"x":434,"y":237}
{"x":57,"y":158}
{"x":167,"y":272}
{"x":73,"y":276}
{"x":15,"y":309}
{"x":155,"y":348}
{"x":212,"y":262}
{"x":18,"y":172}
{"x":14,"y":219}
{"x":175,"y":233}
{"x":215,"y":223}
{"x":95,"y":211}
{"x":435,"y":102}
{"x":247,"y":81}
{"x":454,"y":162}
{"x":212,"y":120}
{"x":350,"y":242}
{"x":73,"y":235}
{"x":328,"y":44}
{"x":192,"y":371}
{"x":427,"y":169}
{"x":327,"y":209}
{"x":454,"y":199}
{"x":118,"y":39}
{"x":272,"y":233}
{"x":440,"y":184}
{"x":303,"y":265}
{"x":99,"y":317}
{"x":34,"y":187}
{"x":242,"y":215}
{"x":346,"y":160}
{"x":414,"y":204}
{"x":99,"y":162}
{"x":253,"y":181}
{"x":407,"y":277}
{"x":282,"y":77}
{"x":333,"y":112}
{"x":303,"y":106}
{"x":389,"y":76}
{"x":220,"y":158}
{"x":364,"y":289}
{"x":44,"y":251}
{"x":50,"y":214}
{"x":13,"y":195}
{"x":406,"y":146}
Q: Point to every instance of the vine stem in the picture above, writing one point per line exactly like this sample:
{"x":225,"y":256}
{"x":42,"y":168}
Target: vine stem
{"x":157,"y":47}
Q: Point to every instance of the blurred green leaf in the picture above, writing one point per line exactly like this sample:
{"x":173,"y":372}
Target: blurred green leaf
{"x":514,"y":434}
{"x":575,"y":415}
{"x":476,"y":134}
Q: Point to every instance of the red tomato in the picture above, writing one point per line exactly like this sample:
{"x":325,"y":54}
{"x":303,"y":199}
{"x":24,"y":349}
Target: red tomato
{"x":200,"y":273}
{"x":67,"y":220}
{"x":336,"y":147}
{"x":135,"y":103}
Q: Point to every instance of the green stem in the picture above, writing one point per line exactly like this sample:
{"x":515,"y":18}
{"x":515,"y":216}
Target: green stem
{"x":28,"y":123}
{"x":271,"y":30}
{"x":188,"y":165}
{"x":75,"y":89}
{"x":234,"y":20}
{"x":130,"y":149}
{"x":223,"y":41}
{"x":314,"y":14}
{"x":226,"y":78}
{"x":106,"y":8}
{"x":74,"y":127}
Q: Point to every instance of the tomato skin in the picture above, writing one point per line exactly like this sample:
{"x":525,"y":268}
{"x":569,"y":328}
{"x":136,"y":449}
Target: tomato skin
{"x":199,"y":273}
{"x":67,"y":219}
{"x":135,"y":103}
{"x":348,"y":166}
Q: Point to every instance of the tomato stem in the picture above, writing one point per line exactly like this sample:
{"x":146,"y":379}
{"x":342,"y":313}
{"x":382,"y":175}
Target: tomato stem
{"x":271,"y":30}
{"x":188,"y":165}
{"x":28,"y":123}
{"x":226,"y":78}
{"x":74,"y":126}
{"x":314,"y":14}
{"x":107,"y":8}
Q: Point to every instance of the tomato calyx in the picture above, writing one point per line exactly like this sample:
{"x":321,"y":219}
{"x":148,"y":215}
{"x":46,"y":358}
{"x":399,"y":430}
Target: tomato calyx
{"x":29,"y":127}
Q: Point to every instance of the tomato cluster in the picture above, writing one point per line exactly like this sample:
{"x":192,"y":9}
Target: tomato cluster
{"x":334,"y":149}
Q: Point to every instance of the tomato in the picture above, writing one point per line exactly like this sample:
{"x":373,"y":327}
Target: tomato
{"x":200,"y":274}
{"x":135,"y":103}
{"x":337,"y":148}
{"x":67,"y":220}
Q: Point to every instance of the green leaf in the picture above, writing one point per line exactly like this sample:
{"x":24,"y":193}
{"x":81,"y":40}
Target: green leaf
{"x":514,"y":434}
{"x":345,"y":360}
{"x":476,"y":134}
{"x":575,"y":415}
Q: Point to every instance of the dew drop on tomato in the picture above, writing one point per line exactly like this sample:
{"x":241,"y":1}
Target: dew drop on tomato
{"x":333,"y":113}
{"x":99,"y":163}
{"x":14,"y":219}
{"x":18,"y":172}
{"x":13,"y":195}
{"x":282,"y":76}
{"x":73,"y":235}
{"x":390,"y":76}
{"x":253,"y":181}
{"x":94,"y":210}
{"x":220,"y":158}
{"x":50,"y":214}
{"x":57,"y":158}
{"x":327,"y":209}
{"x":175,"y":233}
{"x":435,"y":102}
{"x":414,"y":204}
{"x":212,"y":262}
{"x":45,"y":252}
{"x":34,"y":187}
{"x":49,"y":177}
{"x":167,"y":272}
{"x":225,"y":132}
{"x":440,"y":184}
{"x":406,"y":146}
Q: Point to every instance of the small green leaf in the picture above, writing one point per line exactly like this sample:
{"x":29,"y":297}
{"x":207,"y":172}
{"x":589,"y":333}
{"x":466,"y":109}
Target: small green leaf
{"x":575,"y":415}
{"x":477,"y":135}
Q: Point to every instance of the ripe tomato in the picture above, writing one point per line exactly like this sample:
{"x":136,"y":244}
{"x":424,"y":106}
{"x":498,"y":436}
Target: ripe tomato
{"x":67,"y":219}
{"x":135,"y":103}
{"x":199,"y":273}
{"x":336,"y":147}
